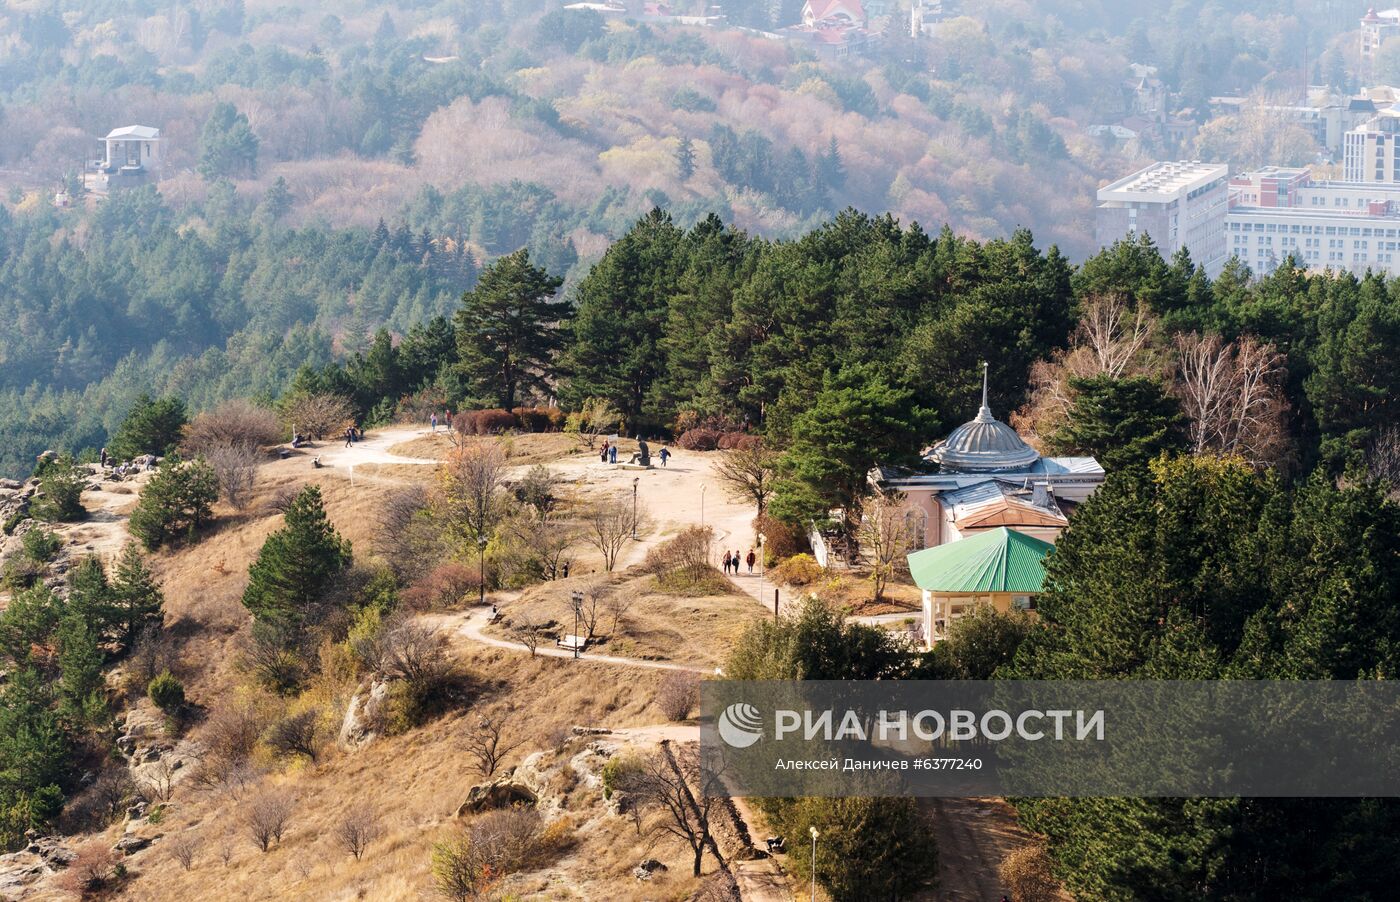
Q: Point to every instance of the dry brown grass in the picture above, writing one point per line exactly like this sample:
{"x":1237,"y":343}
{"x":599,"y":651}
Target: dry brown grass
{"x":524,"y":449}
{"x":657,"y":626}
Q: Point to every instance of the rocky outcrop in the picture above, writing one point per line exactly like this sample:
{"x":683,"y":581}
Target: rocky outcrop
{"x":503,"y":793}
{"x":364,"y":715}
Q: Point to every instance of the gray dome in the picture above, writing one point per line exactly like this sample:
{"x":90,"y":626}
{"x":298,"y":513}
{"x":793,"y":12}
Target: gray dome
{"x":985,"y":445}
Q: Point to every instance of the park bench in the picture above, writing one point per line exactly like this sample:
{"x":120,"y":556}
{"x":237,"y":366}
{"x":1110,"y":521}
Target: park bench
{"x":572,"y":643}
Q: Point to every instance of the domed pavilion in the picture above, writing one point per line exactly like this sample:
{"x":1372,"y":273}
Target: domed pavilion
{"x":983,"y":476}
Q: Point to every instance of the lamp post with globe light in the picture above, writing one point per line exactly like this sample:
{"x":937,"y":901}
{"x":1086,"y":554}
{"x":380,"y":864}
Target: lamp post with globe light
{"x":481,"y":569}
{"x":814,"y":863}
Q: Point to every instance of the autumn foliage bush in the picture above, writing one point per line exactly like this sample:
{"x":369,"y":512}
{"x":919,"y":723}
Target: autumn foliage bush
{"x":701,"y":438}
{"x":446,"y":585}
{"x":492,"y":421}
{"x":539,"y":419}
{"x":740,"y":441}
{"x":798,"y":570}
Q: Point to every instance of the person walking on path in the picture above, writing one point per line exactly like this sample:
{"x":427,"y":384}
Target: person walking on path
{"x":433,"y":420}
{"x":665,"y":455}
{"x":750,"y":559}
{"x":603,"y":458}
{"x":737,"y":559}
{"x":349,"y":435}
{"x":726,"y":563}
{"x":104,"y":458}
{"x":612,"y":454}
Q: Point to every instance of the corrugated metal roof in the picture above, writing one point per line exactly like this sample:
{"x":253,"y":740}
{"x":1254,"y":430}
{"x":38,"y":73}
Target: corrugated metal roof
{"x":999,"y":560}
{"x":982,"y":498}
{"x":145,"y":132}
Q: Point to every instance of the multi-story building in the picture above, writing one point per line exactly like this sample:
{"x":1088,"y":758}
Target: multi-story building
{"x":1376,"y":29}
{"x":1275,"y":213}
{"x":1370,"y":153}
{"x":1180,"y":204}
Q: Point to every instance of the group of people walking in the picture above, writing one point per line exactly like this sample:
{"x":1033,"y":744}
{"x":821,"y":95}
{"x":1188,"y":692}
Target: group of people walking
{"x":732,"y":561}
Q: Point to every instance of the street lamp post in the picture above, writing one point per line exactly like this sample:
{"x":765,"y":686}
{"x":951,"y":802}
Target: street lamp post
{"x":481,"y":572}
{"x":814,"y":864}
{"x":702,"y":505}
{"x":635,"y":480}
{"x":760,"y":574}
{"x":576,"y":601}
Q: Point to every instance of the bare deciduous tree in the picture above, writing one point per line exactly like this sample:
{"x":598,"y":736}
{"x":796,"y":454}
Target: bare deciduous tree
{"x":677,"y":694}
{"x":886,"y":534}
{"x":617,"y":604}
{"x":748,"y":474}
{"x":407,"y":650}
{"x":472,"y":480}
{"x":267,"y":815}
{"x":608,"y":525}
{"x":489,"y":742}
{"x":1113,"y":339}
{"x":318,"y":415}
{"x":112,"y":790}
{"x":236,"y":468}
{"x":183,"y":848}
{"x":595,"y":596}
{"x":1383,"y":457}
{"x":659,"y":786}
{"x":296,"y":734}
{"x":408,"y":539}
{"x":357,"y":829}
{"x":526,"y":632}
{"x":1233,"y":396}
{"x":157,"y":782}
{"x":236,"y":423}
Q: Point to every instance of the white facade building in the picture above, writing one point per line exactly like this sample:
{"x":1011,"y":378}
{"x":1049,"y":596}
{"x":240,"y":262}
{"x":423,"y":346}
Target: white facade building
{"x":1178,"y":204}
{"x":1351,"y":226}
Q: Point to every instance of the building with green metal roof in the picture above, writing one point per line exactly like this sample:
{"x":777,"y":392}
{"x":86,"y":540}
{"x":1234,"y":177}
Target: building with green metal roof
{"x":1001,"y":567}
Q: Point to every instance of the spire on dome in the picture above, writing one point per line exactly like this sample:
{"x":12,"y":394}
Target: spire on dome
{"x":984,"y":415}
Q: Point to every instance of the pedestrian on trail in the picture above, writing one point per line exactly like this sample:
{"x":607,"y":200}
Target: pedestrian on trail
{"x":726,"y":563}
{"x":603,"y":458}
{"x":751,"y":558}
{"x":612,"y":454}
{"x":104,"y":458}
{"x":737,"y":559}
{"x":433,"y":420}
{"x":665,"y":455}
{"x":349,"y":435}
{"x":566,"y":569}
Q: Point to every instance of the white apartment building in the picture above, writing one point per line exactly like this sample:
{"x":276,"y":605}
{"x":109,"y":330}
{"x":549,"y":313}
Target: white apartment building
{"x":1370,"y":152}
{"x":1376,"y":29}
{"x":1178,"y":204}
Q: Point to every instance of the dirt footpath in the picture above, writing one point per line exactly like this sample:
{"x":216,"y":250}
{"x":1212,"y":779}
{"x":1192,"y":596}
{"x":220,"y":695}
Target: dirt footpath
{"x":973,"y":836}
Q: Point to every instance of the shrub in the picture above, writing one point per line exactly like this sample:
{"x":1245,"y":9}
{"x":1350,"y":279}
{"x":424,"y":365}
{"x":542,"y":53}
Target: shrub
{"x":539,"y":419}
{"x":683,"y":564}
{"x":677,"y":695}
{"x":422,"y":404}
{"x":730,"y":441}
{"x":40,"y":545}
{"x":446,"y":586}
{"x":1026,"y":872}
{"x":798,"y":570}
{"x":700,"y":438}
{"x":780,"y":539}
{"x":167,"y":692}
{"x":492,"y":421}
{"x":60,"y":492}
{"x":239,"y":424}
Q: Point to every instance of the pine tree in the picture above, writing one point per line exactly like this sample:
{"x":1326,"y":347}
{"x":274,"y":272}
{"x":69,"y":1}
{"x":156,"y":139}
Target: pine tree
{"x":1122,"y":422}
{"x":685,"y":159}
{"x":228,"y":148}
{"x":152,"y":426}
{"x":830,"y":168}
{"x":136,"y":599}
{"x":509,"y":330}
{"x":277,"y":201}
{"x":295,"y":565}
{"x":176,"y":503}
{"x":80,"y":684}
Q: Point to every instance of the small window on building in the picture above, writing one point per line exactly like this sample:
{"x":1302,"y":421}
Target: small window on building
{"x":1023,"y":602}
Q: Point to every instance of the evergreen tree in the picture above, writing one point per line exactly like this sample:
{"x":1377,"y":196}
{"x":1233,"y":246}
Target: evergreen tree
{"x":509,"y":330}
{"x":295,"y":565}
{"x":856,"y":421}
{"x":80,"y":685}
{"x":152,"y":426}
{"x":136,"y":599}
{"x":1123,"y":422}
{"x":227,"y":146}
{"x":277,"y":201}
{"x":176,"y":503}
{"x":830,"y":167}
{"x":620,"y":317}
{"x":685,"y":159}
